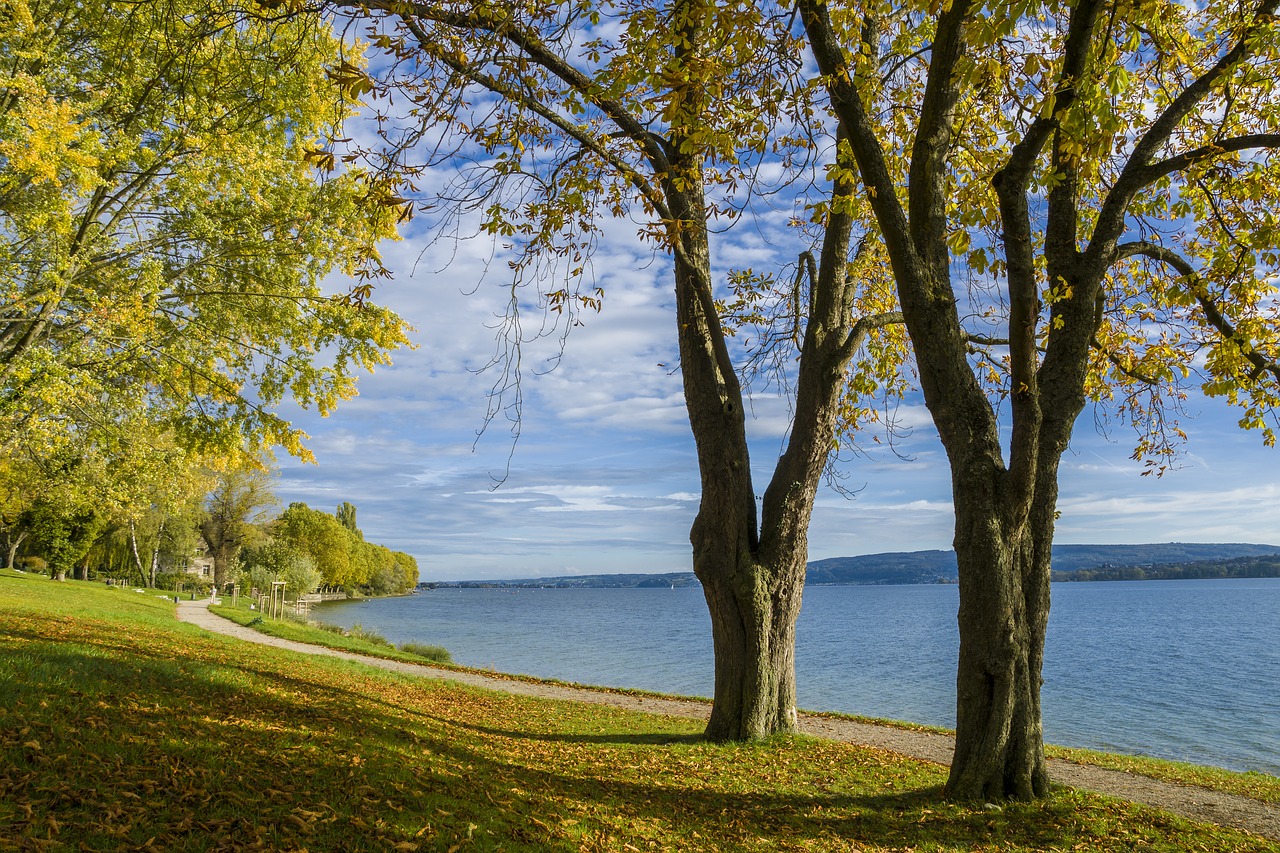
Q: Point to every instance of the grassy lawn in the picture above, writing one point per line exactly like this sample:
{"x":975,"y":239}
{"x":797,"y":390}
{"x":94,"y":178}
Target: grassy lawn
{"x":123,"y":729}
{"x":300,"y":632}
{"x":1257,"y":786}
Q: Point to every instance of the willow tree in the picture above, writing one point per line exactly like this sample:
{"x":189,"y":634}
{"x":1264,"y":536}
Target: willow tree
{"x":1101,"y":174}
{"x":556,"y":117}
{"x":163,"y":231}
{"x":235,"y":512}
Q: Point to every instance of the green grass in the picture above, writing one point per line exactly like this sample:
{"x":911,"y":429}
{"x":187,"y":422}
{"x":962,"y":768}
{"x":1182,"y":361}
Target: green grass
{"x":1256,"y":786}
{"x":123,"y":729}
{"x":435,"y":654}
{"x":355,"y":640}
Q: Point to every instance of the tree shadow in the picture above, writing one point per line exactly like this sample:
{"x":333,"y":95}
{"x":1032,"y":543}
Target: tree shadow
{"x":614,"y":738}
{"x":172,"y":748}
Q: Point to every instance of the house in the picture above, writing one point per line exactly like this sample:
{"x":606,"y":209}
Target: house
{"x":200,"y":563}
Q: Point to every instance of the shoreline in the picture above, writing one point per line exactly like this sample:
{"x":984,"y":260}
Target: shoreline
{"x":1193,"y":802}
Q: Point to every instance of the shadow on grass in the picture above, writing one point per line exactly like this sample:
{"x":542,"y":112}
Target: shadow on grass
{"x":601,"y":738}
{"x":206,"y":745}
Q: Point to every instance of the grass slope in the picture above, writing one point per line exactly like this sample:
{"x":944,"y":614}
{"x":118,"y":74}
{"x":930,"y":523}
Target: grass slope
{"x":332,"y":637}
{"x":122,"y":729}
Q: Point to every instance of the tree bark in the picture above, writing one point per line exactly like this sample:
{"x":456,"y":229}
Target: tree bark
{"x":999,"y":752}
{"x":12,"y":551}
{"x":752,"y":566}
{"x":753,"y":640}
{"x":222,"y":560}
{"x":753,"y":614}
{"x":133,"y":548}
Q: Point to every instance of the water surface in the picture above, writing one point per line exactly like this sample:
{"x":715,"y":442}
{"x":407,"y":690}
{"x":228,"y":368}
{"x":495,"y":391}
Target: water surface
{"x":1185,"y":670}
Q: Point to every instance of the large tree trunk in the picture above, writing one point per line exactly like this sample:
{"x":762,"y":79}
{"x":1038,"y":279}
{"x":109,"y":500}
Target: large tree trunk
{"x":753,"y":616}
{"x":999,"y":743}
{"x":223,"y":558}
{"x":753,"y":674}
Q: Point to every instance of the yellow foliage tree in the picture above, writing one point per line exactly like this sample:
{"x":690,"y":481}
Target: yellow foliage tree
{"x":164,"y":231}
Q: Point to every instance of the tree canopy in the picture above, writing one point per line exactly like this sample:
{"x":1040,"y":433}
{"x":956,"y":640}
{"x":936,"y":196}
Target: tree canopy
{"x":164,"y":234}
{"x":1072,"y":199}
{"x":339,"y":552}
{"x":551,"y":119}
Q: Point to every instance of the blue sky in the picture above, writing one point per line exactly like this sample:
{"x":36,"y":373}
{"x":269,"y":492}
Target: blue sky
{"x":604,"y":477}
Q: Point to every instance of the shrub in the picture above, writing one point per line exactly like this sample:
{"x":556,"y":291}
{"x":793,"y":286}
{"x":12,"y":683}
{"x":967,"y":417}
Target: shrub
{"x":190,"y":583}
{"x":33,"y":564}
{"x":359,"y":632}
{"x":435,"y":654}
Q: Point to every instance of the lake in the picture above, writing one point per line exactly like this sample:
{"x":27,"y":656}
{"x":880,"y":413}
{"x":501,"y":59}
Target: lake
{"x":1185,"y":670}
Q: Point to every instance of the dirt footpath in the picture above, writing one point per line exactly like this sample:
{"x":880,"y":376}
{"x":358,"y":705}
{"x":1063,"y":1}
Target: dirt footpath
{"x":1196,"y":803}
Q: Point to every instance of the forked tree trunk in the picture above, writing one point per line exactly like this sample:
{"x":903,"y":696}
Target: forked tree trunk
{"x":754,"y":673}
{"x":1004,"y":591}
{"x":12,"y":552}
{"x":752,"y":566}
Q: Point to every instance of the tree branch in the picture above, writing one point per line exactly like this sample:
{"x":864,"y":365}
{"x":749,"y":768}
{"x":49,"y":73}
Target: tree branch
{"x":560,"y":122}
{"x":927,"y":190}
{"x":532,"y":45}
{"x":863,"y":139}
{"x":1187,"y":159}
{"x":863,"y":327}
{"x":1138,"y":172}
{"x":1212,"y":311}
{"x":1126,"y":369}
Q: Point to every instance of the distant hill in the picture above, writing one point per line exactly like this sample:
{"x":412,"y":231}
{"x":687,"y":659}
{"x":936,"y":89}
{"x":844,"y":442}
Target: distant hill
{"x":1067,"y":558}
{"x":1070,"y":562}
{"x":891,"y":568}
{"x":1261,"y":566}
{"x":1100,"y":562}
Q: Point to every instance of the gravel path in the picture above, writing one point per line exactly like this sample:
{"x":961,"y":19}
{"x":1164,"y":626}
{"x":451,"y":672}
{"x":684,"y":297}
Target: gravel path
{"x":1193,"y":802}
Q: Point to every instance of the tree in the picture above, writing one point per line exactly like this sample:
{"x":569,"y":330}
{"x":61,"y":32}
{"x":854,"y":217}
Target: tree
{"x":163,"y":232}
{"x":341,"y":554}
{"x":63,"y":530}
{"x":407,"y":565}
{"x":346,"y":516}
{"x":234,"y":511}
{"x":64,"y":501}
{"x":1102,"y":170}
{"x":557,"y":116}
{"x":279,"y":560}
{"x":16,"y":496}
{"x":325,"y":540}
{"x":152,"y":488}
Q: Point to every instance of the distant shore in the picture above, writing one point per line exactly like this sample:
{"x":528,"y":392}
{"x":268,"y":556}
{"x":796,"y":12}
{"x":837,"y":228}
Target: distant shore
{"x":1168,"y":561}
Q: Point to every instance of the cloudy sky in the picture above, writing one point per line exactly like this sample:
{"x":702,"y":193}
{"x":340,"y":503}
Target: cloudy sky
{"x":604,"y":478}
